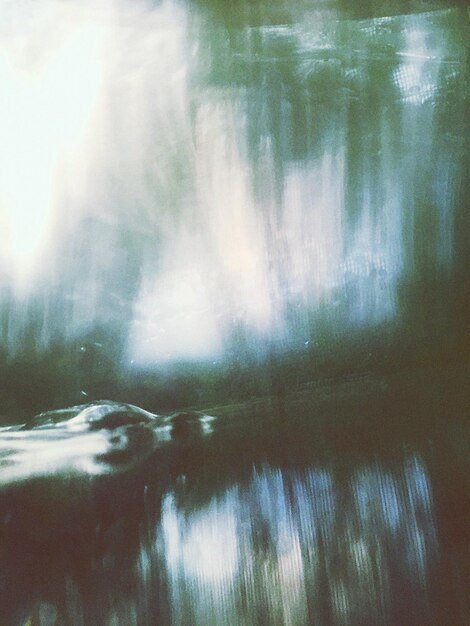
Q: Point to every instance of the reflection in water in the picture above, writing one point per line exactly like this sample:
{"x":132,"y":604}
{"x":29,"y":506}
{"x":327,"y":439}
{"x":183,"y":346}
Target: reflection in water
{"x":314,"y":545}
{"x":301,"y":547}
{"x":241,"y":192}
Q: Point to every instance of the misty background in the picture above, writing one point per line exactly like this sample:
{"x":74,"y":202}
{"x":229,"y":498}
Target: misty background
{"x":202,"y":204}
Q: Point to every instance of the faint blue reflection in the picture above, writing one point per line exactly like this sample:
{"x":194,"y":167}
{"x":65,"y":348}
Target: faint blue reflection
{"x":298,"y":547}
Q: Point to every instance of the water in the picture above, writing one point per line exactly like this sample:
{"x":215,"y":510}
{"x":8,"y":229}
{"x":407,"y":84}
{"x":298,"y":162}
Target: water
{"x":91,"y":439}
{"x":304,"y":547}
{"x":187,"y":519}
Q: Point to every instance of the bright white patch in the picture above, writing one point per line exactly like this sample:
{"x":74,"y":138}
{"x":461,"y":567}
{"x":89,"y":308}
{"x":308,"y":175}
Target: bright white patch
{"x":174,"y":319}
{"x":44,"y":112}
{"x":209,"y":547}
{"x":29,"y":454}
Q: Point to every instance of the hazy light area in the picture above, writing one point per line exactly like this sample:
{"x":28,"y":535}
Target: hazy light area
{"x":50,"y":85}
{"x":183,"y":188}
